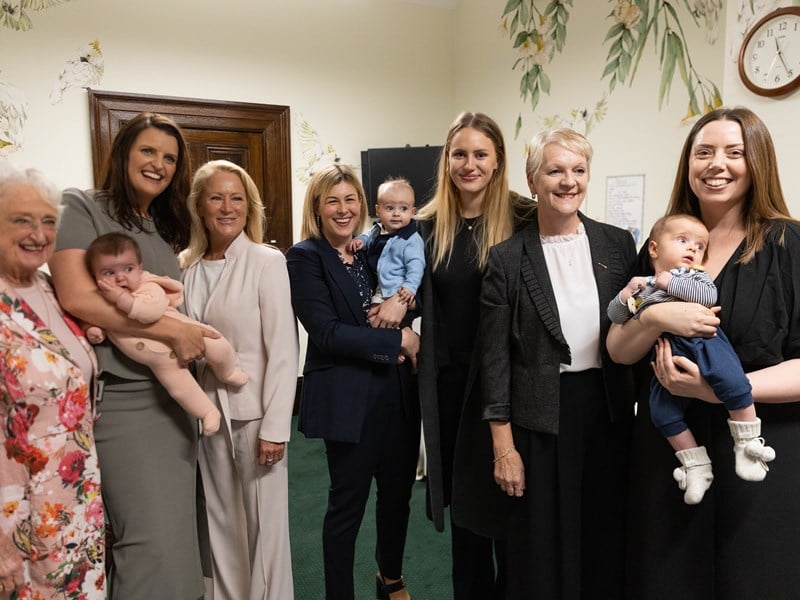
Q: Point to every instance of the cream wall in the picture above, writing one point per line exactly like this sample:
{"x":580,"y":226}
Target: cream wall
{"x":371,"y":73}
{"x":364,"y":73}
{"x":635,"y":137}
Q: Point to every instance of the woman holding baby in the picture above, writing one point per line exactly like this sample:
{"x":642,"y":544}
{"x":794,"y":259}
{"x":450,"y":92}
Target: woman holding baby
{"x":147,"y":444}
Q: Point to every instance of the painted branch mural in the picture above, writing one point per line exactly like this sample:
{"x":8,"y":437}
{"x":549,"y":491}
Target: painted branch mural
{"x":14,"y":13}
{"x":538,"y":33}
{"x":638,"y":21}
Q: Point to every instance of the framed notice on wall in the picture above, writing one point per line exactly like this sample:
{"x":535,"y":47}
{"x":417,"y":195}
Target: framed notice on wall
{"x":625,"y":203}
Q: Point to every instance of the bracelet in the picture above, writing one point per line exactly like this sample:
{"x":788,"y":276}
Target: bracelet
{"x":503,"y":455}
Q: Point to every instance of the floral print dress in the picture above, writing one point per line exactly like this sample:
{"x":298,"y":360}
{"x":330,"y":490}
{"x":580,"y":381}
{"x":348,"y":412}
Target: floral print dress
{"x":50,"y":502}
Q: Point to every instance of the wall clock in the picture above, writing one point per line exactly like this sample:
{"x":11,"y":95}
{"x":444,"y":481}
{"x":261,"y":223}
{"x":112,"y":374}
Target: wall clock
{"x":769,"y":60}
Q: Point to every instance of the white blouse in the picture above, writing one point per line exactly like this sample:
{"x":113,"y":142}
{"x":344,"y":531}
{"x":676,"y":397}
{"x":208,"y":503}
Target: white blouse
{"x":569,"y":263}
{"x":209,"y":272}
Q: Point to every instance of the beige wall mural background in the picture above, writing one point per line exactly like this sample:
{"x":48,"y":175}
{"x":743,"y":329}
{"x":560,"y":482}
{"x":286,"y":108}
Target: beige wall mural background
{"x":362,"y":74}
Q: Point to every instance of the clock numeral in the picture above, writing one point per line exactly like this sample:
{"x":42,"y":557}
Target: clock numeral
{"x":777,"y":78}
{"x":782,"y":26}
{"x":759,"y":45}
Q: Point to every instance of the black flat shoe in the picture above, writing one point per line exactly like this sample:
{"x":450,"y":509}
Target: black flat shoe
{"x":383,"y":590}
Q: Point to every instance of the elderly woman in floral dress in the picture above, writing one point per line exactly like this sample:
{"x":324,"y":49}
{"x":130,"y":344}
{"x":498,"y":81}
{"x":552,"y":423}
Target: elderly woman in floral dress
{"x":51,"y":512}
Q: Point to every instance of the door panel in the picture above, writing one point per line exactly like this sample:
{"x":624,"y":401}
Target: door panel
{"x":254,"y":136}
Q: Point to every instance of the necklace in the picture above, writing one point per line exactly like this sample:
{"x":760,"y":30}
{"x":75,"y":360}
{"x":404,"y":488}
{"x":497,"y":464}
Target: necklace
{"x":470,"y":222}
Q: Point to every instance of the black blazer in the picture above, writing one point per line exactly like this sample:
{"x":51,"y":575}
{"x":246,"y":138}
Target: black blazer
{"x":522,"y":343}
{"x":344,"y":353}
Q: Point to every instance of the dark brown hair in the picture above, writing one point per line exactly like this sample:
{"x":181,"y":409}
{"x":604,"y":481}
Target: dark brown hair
{"x":764,"y":200}
{"x":110,"y":244}
{"x":168,"y":210}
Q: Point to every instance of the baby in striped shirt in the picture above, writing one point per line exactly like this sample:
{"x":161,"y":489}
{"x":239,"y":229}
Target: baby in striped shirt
{"x":677,"y":247}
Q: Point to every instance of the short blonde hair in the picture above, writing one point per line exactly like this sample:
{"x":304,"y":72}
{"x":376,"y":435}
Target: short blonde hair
{"x":254,"y":226}
{"x":564,"y":137}
{"x":394,"y":181}
{"x":318,"y":188}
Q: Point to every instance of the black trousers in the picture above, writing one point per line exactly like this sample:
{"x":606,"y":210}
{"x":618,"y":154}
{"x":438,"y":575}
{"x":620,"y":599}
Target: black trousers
{"x":388,"y":451}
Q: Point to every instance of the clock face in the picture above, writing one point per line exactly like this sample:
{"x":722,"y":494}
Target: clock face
{"x":769,"y":61}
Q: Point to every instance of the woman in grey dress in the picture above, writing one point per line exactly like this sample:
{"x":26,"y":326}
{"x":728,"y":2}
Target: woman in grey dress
{"x":147,"y":445}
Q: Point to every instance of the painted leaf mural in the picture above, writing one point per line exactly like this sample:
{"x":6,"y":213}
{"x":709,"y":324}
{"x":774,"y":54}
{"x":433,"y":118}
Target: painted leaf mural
{"x":637,"y":21}
{"x":14,"y":13}
{"x":538,"y":33}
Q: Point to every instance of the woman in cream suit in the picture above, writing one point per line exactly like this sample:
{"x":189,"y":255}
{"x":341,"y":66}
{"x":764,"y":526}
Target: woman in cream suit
{"x":241,"y":287}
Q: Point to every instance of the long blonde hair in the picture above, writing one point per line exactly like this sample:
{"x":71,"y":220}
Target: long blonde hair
{"x":254,"y":226}
{"x":497,"y":222}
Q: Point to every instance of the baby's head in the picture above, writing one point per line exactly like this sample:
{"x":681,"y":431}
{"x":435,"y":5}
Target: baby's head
{"x":395,"y":204}
{"x":116,"y":259}
{"x":677,"y":241}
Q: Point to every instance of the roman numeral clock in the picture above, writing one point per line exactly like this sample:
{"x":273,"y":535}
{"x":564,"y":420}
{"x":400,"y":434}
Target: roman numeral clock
{"x":769,"y":60}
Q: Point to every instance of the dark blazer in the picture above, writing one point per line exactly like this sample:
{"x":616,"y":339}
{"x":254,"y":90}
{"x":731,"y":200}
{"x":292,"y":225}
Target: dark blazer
{"x":344,"y":353}
{"x":432,"y":356}
{"x":520,"y":331}
{"x":473,"y":436}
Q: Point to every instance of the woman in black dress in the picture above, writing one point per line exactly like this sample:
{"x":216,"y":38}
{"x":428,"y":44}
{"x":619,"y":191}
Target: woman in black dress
{"x":470,"y":212}
{"x":741,"y":540}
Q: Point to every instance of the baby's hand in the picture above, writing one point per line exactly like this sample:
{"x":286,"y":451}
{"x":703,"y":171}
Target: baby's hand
{"x":634,"y":285}
{"x":110,"y":292}
{"x":355,"y":245}
{"x":663,"y":279}
{"x":406,"y":297}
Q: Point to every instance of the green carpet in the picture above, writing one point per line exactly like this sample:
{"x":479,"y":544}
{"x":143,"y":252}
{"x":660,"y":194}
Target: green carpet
{"x":426,"y":564}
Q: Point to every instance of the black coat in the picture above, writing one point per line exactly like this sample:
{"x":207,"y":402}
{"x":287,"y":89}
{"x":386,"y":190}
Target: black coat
{"x":521,"y":337}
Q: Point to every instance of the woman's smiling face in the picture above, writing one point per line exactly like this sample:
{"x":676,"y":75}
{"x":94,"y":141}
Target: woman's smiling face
{"x":472,"y":161}
{"x":718,"y":170}
{"x":340,"y":213}
{"x":152,"y":162}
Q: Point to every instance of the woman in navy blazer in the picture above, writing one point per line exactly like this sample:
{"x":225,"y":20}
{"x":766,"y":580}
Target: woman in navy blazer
{"x":358,"y":394}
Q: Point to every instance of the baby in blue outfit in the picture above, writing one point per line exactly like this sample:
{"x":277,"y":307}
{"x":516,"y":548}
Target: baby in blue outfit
{"x":394,"y":249}
{"x":677,"y":247}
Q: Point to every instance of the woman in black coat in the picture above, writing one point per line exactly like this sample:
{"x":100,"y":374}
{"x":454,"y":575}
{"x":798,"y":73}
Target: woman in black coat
{"x":560,"y":411}
{"x":471,"y":211}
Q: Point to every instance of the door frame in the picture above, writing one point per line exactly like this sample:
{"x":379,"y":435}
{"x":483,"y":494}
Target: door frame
{"x":108,"y":111}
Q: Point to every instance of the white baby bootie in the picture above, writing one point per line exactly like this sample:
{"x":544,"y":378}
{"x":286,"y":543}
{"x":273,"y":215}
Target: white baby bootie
{"x":751,"y":454}
{"x":695,"y":475}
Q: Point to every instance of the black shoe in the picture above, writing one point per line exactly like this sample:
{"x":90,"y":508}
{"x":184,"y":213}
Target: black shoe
{"x":383,"y":589}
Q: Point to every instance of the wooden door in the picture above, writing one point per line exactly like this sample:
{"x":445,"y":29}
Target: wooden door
{"x":254,"y":136}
